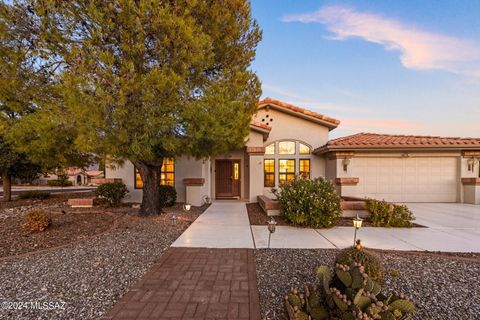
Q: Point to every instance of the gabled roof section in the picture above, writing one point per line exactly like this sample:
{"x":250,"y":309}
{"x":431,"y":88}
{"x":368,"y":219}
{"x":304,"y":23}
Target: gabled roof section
{"x":260,"y":126}
{"x":390,"y":141}
{"x":330,"y":123}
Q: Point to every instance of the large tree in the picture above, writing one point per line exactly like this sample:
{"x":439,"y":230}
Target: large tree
{"x":146,"y":80}
{"x":35,"y":130}
{"x":15,"y":165}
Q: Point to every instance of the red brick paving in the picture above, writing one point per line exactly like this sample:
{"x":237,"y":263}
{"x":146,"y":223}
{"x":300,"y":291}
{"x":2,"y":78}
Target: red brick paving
{"x":194,"y":283}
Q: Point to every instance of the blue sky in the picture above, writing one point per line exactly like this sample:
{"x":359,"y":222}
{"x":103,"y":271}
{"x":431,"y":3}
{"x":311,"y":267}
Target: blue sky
{"x":408,"y":67}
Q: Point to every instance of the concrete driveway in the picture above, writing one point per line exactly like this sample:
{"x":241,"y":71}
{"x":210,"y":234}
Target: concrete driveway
{"x":450,"y":228}
{"x":446,"y":215}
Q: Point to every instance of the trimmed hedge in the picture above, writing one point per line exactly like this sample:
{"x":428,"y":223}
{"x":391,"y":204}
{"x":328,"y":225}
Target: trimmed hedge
{"x":34,"y":194}
{"x":59,"y":183}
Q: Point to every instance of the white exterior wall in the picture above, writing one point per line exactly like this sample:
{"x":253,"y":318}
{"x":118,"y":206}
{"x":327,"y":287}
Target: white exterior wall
{"x":184,"y":168}
{"x":471,"y":193}
{"x":289,"y":127}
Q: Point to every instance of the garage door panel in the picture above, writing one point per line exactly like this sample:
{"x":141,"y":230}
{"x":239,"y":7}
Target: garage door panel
{"x":407,"y":179}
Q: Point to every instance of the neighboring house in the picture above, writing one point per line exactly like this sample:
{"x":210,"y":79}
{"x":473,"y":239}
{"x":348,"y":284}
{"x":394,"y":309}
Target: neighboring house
{"x":286,"y":141}
{"x":77,"y":176}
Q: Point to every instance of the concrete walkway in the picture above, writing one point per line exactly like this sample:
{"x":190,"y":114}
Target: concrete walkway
{"x":224,"y":224}
{"x":451,"y":228}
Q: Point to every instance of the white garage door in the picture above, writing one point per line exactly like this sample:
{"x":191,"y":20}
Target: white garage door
{"x":406,"y":179}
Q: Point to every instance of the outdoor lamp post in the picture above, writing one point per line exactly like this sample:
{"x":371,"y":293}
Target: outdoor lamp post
{"x":272,"y":224}
{"x":357,"y":224}
{"x":187,"y":206}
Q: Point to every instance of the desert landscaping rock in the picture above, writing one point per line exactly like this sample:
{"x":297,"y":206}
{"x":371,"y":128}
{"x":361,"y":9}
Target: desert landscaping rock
{"x":89,"y":276}
{"x":443,"y":288}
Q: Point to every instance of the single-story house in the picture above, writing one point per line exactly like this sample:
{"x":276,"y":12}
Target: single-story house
{"x":286,"y":140}
{"x":76,"y":176}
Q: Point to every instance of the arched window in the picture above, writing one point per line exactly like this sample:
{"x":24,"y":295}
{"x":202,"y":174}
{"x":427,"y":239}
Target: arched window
{"x":303,"y":148}
{"x":270,"y":149}
{"x":286,"y":147}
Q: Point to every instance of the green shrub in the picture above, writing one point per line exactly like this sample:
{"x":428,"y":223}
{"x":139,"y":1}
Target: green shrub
{"x":59,"y":183}
{"x":36,"y":220}
{"x":385,"y":214}
{"x":168,"y":196}
{"x":309,"y":203}
{"x":371,"y":261}
{"x":112,"y":192}
{"x":34,"y":194}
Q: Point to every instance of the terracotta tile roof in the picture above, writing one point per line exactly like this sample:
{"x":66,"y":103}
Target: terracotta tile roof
{"x":74,"y":171}
{"x":388,"y":140}
{"x":94,"y":173}
{"x":260,"y":125}
{"x":333,"y":122}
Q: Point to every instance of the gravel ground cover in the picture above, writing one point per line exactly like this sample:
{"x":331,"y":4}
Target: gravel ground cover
{"x":257,"y":216}
{"x":87,"y":278}
{"x":443,"y":287}
{"x":54,"y":199}
{"x":68,"y":225}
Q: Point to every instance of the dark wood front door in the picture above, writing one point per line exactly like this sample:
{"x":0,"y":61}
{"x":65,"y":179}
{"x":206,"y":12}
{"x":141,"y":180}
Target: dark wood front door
{"x":227,"y":178}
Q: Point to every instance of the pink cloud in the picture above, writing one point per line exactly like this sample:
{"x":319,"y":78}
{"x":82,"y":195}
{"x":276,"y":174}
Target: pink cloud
{"x":418,"y":49}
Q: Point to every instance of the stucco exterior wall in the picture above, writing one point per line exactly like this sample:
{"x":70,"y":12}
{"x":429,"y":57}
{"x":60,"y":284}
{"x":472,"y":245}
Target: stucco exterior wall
{"x":184,"y":168}
{"x":288,"y":127}
{"x":471,"y":193}
{"x":255,"y":163}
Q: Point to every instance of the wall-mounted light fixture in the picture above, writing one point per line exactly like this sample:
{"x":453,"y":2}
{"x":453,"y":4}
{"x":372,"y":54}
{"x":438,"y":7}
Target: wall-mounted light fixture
{"x":345,"y":163}
{"x":471,"y":164}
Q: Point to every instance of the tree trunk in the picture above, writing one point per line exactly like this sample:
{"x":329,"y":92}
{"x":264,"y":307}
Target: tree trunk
{"x":150,"y":173}
{"x":7,"y":187}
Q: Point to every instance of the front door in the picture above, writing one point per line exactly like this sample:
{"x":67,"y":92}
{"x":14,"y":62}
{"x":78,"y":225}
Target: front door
{"x":227,"y":178}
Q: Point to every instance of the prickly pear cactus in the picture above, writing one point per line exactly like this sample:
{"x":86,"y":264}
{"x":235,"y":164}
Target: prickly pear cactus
{"x":357,"y":297}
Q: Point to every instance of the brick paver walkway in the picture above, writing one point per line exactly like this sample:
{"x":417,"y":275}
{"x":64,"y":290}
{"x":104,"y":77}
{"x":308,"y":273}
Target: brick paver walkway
{"x":194,"y":283}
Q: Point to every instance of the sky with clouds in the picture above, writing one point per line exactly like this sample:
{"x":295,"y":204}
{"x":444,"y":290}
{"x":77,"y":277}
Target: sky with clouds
{"x":407,"y":67}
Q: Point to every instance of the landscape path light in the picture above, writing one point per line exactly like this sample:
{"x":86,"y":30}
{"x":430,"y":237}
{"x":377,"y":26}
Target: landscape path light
{"x":272,"y":225}
{"x":173,"y":219}
{"x":187,"y":206}
{"x":357,"y":224}
{"x":207,"y":199}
